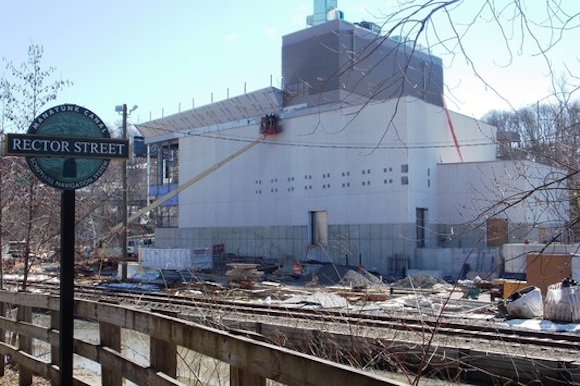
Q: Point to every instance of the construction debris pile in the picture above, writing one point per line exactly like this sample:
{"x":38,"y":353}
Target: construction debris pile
{"x":420,"y":281}
{"x":244,"y":275}
{"x":560,"y":303}
{"x":331,"y":274}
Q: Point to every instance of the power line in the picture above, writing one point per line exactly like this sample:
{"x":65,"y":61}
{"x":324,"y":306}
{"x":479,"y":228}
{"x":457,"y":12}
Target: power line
{"x":330,"y":145}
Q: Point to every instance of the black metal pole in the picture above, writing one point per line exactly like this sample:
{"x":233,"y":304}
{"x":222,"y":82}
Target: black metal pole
{"x":67,"y":258}
{"x":125,"y":203}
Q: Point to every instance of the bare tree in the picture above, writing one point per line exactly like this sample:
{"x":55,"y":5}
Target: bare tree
{"x":545,"y":131}
{"x":547,"y":134}
{"x":26,"y":89}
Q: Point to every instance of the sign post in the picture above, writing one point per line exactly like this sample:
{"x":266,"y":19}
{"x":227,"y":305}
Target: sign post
{"x":67,"y":285}
{"x":67,"y":147}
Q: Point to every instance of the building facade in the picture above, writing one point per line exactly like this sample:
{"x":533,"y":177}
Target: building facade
{"x":356,"y":161}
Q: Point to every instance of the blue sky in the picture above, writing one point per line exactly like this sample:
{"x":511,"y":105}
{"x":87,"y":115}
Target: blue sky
{"x":166,"y":56}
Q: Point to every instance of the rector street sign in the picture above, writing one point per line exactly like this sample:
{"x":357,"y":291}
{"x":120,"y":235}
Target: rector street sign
{"x":70,"y":147}
{"x":67,"y":146}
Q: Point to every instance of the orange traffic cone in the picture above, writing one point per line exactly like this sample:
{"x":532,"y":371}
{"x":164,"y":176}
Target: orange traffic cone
{"x":296,"y":269}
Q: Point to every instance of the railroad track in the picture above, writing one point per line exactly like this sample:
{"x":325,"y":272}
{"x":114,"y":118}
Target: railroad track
{"x":420,"y":324}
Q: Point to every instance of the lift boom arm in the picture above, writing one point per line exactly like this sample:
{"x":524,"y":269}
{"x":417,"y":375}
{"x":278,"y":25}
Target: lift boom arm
{"x":198,"y":177}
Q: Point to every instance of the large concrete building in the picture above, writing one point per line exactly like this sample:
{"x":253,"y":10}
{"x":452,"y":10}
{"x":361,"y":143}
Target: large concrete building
{"x":355,"y":160}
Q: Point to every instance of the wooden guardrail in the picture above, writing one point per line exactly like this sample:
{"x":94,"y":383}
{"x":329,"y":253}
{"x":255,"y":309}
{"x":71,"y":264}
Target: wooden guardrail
{"x":251,"y":362}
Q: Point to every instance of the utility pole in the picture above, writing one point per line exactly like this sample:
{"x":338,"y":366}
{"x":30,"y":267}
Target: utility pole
{"x":125,"y":201}
{"x":123,"y":110}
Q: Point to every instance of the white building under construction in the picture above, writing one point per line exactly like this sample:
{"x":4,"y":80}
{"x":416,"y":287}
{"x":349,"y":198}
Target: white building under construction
{"x":355,"y":160}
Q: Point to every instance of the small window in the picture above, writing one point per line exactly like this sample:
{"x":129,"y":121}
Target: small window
{"x":404,"y":180}
{"x":405,"y":168}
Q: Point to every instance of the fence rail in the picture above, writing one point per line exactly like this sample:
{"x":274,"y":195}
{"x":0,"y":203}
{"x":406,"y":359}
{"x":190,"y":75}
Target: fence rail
{"x":251,"y":362}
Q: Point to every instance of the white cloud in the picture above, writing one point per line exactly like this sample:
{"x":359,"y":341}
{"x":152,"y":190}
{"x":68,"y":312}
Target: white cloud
{"x":299,"y":17}
{"x":271,"y":32}
{"x":232,"y":37}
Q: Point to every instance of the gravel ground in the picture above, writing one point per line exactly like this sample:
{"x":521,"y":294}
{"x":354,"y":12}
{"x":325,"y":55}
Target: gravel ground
{"x":419,"y":281}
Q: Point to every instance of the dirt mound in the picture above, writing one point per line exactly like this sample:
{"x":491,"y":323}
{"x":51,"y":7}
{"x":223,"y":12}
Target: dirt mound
{"x":343,"y":275}
{"x":419,"y":281}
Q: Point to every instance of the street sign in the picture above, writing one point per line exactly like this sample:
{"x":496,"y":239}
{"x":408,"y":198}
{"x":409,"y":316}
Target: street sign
{"x":67,"y":147}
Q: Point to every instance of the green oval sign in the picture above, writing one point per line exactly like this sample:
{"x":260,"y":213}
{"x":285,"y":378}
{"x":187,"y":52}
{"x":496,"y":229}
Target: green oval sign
{"x":62,"y":128}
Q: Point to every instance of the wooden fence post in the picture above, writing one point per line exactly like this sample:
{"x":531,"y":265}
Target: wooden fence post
{"x":2,"y":338}
{"x":162,"y":354}
{"x":24,"y":314}
{"x":110,"y":336}
{"x":239,"y":377}
{"x":55,"y":350}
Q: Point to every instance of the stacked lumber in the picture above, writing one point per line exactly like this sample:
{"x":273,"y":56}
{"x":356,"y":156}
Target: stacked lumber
{"x":244,"y":275}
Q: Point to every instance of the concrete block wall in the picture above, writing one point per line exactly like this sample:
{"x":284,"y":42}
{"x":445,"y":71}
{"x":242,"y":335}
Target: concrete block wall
{"x":372,"y":245}
{"x":379,"y":247}
{"x":484,"y":262}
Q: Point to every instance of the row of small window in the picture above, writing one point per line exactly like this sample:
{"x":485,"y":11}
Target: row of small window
{"x":404,"y":169}
{"x":404,"y":181}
